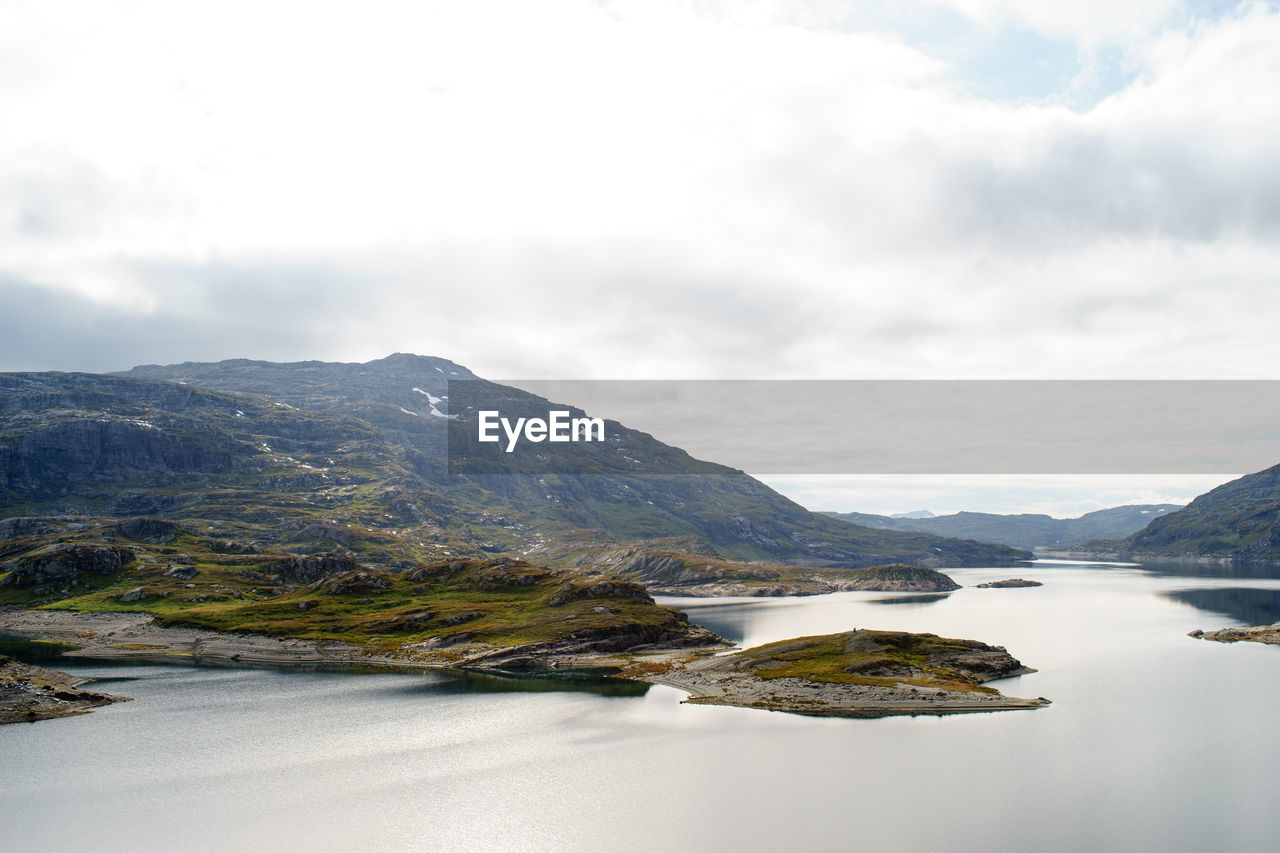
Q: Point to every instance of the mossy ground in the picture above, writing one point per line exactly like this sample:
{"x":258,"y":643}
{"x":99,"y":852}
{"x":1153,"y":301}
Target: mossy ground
{"x":500,"y":602}
{"x":846,"y":658}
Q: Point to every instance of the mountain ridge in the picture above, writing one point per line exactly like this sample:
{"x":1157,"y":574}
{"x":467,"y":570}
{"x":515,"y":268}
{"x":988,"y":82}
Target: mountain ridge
{"x":1022,"y":530}
{"x":1239,"y":520}
{"x":732,"y":511}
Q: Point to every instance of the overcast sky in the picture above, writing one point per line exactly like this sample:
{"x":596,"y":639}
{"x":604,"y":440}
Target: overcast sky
{"x":649,"y":189}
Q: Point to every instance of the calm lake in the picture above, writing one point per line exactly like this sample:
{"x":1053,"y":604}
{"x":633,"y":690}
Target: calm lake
{"x":1155,"y":741}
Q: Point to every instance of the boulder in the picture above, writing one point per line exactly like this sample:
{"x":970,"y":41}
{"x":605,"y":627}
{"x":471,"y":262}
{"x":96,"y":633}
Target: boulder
{"x":63,"y":563}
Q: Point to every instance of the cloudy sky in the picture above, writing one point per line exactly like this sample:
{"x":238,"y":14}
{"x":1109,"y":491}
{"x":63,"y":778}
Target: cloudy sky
{"x":648,"y":189}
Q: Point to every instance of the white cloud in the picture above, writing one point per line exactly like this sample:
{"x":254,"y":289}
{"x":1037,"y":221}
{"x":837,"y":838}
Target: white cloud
{"x":1062,"y":496}
{"x":636,"y":189}
{"x":1090,"y":21}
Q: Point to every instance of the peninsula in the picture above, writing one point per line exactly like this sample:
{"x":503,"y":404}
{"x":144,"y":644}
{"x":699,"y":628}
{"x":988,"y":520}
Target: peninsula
{"x":1269,"y":634}
{"x":30,"y":693}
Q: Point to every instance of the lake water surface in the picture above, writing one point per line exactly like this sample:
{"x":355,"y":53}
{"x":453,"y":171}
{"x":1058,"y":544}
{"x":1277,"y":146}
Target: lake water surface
{"x":1155,"y":741}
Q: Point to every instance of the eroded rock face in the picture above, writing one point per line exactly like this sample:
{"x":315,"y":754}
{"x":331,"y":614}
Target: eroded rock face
{"x":313,"y":567}
{"x":63,"y":563}
{"x":156,"y":531}
{"x":52,"y":455}
{"x":11,"y":528}
{"x":435,"y":571}
{"x":901,"y":578}
{"x":598,"y":589}
{"x":981,"y":661}
{"x":346,"y":583}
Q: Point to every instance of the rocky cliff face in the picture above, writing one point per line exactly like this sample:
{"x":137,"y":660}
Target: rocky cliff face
{"x":64,"y":564}
{"x":168,"y":459}
{"x":902,"y":579}
{"x":1239,"y":520}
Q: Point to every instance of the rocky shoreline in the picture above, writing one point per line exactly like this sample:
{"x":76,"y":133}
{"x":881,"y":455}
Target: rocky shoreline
{"x":1269,"y":634}
{"x":822,"y":699}
{"x":800,"y":582}
{"x":135,"y":636}
{"x":29,"y":693}
{"x":858,"y":673}
{"x":707,"y":679}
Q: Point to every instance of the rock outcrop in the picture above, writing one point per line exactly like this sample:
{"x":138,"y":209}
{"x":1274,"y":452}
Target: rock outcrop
{"x":1269,"y":634}
{"x":64,"y":563}
{"x":900,"y":578}
{"x":312,"y":567}
{"x":572,"y":590}
{"x":153,"y":530}
{"x":858,"y":673}
{"x":347,"y":583}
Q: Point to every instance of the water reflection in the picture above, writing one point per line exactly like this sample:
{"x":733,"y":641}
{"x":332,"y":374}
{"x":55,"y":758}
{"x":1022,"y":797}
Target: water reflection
{"x":729,"y":620}
{"x":1240,"y":569}
{"x":31,"y":651}
{"x":1251,"y":606}
{"x":581,"y":681}
{"x":922,"y":598}
{"x":436,"y":681}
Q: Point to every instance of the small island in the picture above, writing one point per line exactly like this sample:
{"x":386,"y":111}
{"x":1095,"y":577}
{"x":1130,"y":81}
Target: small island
{"x":1011,"y":583}
{"x":857,"y":673}
{"x":1269,"y":634}
{"x":901,"y":578}
{"x":29,"y":693}
{"x":698,"y":576}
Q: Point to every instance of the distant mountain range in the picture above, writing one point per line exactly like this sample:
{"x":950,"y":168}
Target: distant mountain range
{"x":1238,"y":521}
{"x":315,"y":455}
{"x":1026,"y":530}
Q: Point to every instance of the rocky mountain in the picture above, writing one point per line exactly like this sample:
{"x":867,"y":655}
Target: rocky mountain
{"x":1026,"y":530}
{"x":632,"y":487}
{"x":1237,"y":520}
{"x":257,"y":470}
{"x":327,"y":503}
